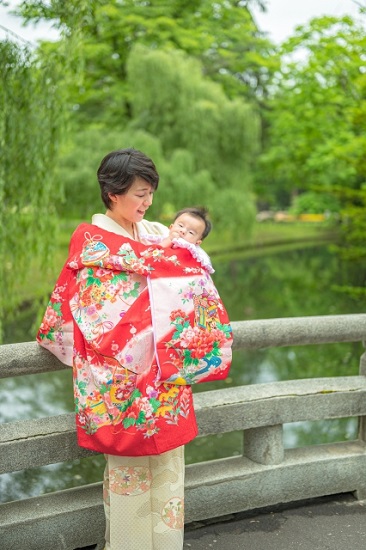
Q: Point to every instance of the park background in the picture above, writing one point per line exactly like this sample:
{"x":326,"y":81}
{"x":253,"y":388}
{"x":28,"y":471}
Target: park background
{"x":269,"y":136}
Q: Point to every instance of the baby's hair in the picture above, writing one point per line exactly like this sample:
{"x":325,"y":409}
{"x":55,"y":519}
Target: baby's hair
{"x":199,"y":212}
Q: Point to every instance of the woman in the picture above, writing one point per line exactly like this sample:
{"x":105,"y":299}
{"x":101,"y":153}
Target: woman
{"x":117,"y":315}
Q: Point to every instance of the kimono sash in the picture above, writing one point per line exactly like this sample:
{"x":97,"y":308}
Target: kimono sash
{"x":119,"y":308}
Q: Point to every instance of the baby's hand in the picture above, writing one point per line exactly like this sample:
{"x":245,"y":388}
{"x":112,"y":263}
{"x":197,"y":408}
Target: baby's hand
{"x":174,"y":235}
{"x":165,"y":243}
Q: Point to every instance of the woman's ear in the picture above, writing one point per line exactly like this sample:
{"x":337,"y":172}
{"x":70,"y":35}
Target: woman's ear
{"x":112,"y":197}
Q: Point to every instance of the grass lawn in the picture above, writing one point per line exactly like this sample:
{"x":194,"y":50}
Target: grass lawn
{"x":273,"y":236}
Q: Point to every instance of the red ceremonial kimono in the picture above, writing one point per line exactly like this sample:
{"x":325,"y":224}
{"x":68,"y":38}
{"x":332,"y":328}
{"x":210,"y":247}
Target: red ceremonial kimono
{"x":138,"y":324}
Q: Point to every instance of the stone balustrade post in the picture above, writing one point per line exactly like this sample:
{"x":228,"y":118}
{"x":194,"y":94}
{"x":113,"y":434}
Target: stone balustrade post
{"x":360,"y":493}
{"x":264,"y":445}
{"x":362,"y":419}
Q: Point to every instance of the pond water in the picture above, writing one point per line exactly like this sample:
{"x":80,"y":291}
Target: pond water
{"x":289,"y":284}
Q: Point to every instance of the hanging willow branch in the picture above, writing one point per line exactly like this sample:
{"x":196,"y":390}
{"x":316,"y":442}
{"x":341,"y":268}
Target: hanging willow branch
{"x":34,"y":86}
{"x":30,"y":121}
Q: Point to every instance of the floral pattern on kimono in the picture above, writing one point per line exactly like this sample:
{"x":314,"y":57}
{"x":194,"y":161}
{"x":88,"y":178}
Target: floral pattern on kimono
{"x":138,"y":324}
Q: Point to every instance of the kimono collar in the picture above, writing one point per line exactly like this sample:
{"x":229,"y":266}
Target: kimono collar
{"x":106,"y":223}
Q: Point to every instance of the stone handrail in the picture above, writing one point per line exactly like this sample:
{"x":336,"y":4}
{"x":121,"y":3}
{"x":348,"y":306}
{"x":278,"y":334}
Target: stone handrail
{"x":29,"y":358}
{"x":214,"y":488}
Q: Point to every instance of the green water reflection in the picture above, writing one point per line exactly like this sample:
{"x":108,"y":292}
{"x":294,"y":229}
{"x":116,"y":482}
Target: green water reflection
{"x":297,"y":283}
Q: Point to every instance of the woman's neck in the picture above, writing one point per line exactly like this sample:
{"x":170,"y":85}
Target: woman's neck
{"x":127,"y":225}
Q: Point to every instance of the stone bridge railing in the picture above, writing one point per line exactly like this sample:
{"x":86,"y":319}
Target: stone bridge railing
{"x":266,"y":474}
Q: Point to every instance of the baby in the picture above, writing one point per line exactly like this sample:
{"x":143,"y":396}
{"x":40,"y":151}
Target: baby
{"x":190,"y":226}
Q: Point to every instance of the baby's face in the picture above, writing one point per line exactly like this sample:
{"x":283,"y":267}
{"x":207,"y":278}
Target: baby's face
{"x":188,"y":227}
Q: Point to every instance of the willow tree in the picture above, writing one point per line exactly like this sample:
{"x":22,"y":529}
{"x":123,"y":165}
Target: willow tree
{"x":30,"y":120}
{"x":189,"y":113}
{"x":34,"y":99}
{"x":203,"y":143}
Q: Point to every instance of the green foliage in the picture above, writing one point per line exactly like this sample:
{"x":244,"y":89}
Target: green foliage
{"x":200,"y":140}
{"x":234,"y":212}
{"x":80,"y":158}
{"x":175,"y":102}
{"x":30,"y":120}
{"x":318,"y":110}
{"x":181,"y":184}
{"x":222,"y":35}
{"x":312,"y":202}
{"x":169,"y":79}
{"x":33,"y":116}
{"x":138,"y":90}
{"x":316,"y":136}
{"x":351,"y":247}
{"x":353,"y":224}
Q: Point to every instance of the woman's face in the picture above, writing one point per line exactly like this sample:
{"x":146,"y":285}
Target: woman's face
{"x":132,"y":206}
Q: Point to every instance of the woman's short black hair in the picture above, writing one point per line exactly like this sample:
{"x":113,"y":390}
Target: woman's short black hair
{"x":119,"y":169}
